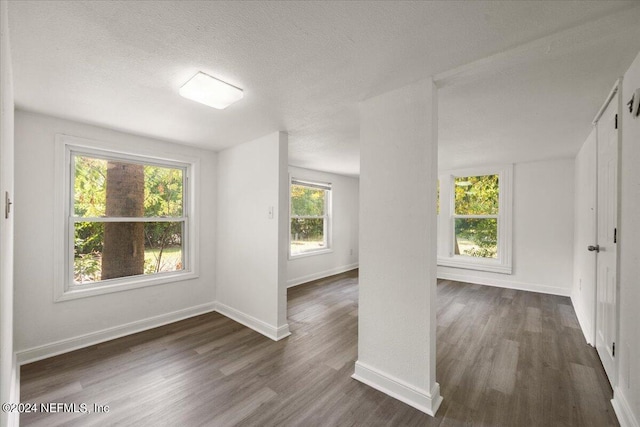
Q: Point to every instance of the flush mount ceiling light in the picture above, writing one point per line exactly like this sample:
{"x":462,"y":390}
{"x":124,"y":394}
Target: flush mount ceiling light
{"x":210,"y":91}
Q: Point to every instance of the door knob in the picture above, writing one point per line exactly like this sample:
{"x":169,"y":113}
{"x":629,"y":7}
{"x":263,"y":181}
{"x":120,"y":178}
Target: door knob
{"x":595,"y":248}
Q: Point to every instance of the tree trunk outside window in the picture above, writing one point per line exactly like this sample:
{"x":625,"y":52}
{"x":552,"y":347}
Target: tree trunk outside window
{"x":123,"y":251}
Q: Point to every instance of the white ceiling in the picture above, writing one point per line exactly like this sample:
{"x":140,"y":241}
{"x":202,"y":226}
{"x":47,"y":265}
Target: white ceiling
{"x":520,"y":81}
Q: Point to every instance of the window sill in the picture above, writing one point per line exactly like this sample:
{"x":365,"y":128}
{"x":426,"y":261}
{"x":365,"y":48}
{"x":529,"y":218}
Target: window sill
{"x":119,"y":285}
{"x":311,"y":253}
{"x":491,"y":267}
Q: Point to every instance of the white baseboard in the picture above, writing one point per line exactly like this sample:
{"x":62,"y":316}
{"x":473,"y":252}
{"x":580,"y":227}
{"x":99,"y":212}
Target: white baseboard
{"x":583,"y":322}
{"x":502,"y":283}
{"x":273,"y":332}
{"x":64,"y":346}
{"x":67,"y":345}
{"x":623,"y":411}
{"x":320,"y":275}
{"x":427,"y":402}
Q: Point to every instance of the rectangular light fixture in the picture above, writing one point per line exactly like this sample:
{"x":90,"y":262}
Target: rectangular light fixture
{"x":210,"y":91}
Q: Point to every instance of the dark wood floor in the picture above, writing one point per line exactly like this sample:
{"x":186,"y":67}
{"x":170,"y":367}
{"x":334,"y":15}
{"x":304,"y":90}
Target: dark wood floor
{"x":505,"y":358}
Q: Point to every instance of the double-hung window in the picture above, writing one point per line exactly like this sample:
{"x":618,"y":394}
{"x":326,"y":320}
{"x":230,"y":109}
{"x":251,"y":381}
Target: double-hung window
{"x":475,"y":219}
{"x":310,"y":217}
{"x":127,"y":221}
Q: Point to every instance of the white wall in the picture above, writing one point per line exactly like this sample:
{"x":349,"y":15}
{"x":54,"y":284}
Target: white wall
{"x":344,"y":233}
{"x":44,"y":327}
{"x":251,"y":276}
{"x":543,"y":194}
{"x":626,"y":399}
{"x":9,"y":374}
{"x":583,"y":293}
{"x":397,"y":313}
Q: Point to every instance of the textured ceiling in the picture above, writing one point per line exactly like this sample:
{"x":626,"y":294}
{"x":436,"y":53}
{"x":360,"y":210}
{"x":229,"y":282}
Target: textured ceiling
{"x":520,"y":80}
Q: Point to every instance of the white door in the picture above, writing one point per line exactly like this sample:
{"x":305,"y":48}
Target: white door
{"x":606,"y":276}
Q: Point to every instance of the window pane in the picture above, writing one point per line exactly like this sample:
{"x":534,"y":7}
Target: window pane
{"x":477,"y":237}
{"x":122,"y":249}
{"x":87,"y":251}
{"x":476,"y":195}
{"x":306,"y":201}
{"x":307,"y":234}
{"x":163,"y":247}
{"x":125,"y":189}
{"x":162,"y":191}
{"x":90,"y":183}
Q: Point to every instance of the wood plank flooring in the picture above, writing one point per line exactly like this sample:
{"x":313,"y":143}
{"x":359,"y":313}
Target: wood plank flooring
{"x":504,"y":358}
{"x":514,"y":358}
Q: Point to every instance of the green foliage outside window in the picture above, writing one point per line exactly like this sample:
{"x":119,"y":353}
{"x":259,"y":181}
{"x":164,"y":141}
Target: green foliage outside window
{"x":163,"y":198}
{"x":308,"y":216}
{"x":307,"y":202}
{"x":477,"y":195}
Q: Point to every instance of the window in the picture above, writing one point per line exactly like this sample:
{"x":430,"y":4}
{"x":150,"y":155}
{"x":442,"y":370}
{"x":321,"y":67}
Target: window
{"x":475,"y":215}
{"x":126,"y":218}
{"x":477,"y":204}
{"x":310,"y":218}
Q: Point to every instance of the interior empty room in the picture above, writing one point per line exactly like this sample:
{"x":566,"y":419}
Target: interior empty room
{"x":320,"y":213}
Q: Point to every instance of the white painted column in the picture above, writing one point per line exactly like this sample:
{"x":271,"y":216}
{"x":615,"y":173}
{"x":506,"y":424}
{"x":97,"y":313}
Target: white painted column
{"x":397,"y":310}
{"x":283,"y":233}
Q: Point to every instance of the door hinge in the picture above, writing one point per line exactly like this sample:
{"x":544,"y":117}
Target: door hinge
{"x":615,"y":235}
{"x":616,"y":121}
{"x":613,"y":350}
{"x":7,"y":205}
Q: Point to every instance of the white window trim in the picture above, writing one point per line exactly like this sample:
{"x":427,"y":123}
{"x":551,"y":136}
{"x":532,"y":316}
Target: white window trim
{"x":328,"y":209}
{"x":63,"y":237}
{"x":446,"y":257}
